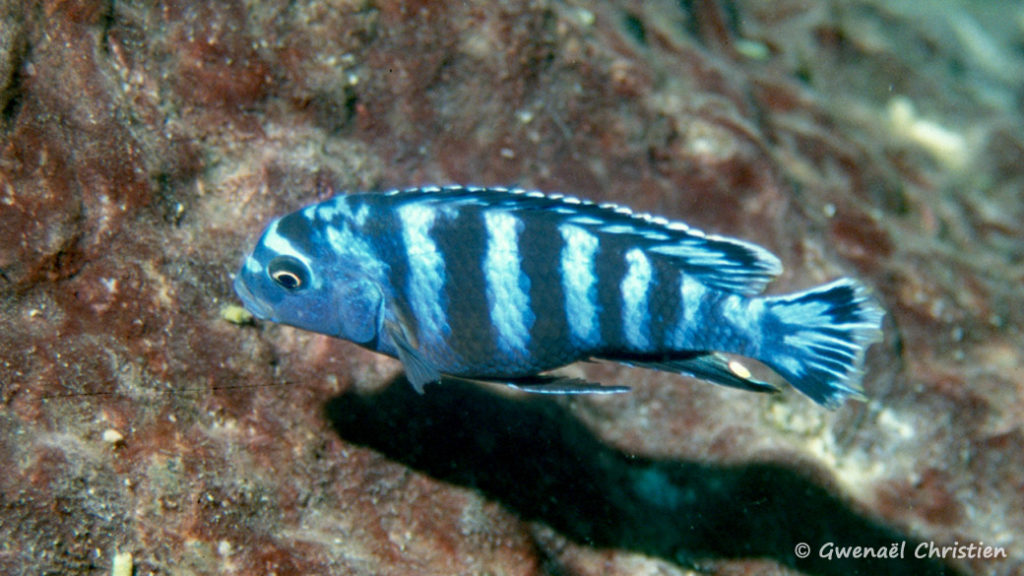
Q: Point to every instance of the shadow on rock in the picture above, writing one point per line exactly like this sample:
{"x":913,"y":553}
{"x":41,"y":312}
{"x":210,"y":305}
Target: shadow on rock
{"x":540,"y":461}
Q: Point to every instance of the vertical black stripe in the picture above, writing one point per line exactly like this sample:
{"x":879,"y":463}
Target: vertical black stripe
{"x":610,"y":268}
{"x":462,"y":239}
{"x":664,"y":303}
{"x":540,"y":246}
{"x":384,"y":231}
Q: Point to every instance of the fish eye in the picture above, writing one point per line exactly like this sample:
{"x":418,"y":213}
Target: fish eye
{"x":288,"y":272}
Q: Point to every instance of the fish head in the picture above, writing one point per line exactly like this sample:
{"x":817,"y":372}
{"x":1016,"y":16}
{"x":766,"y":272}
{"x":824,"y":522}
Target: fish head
{"x":312,"y":276}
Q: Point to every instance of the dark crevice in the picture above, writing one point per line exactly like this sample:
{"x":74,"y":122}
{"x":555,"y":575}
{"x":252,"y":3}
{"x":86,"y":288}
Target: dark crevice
{"x":692,"y":25}
{"x":107,"y":19}
{"x":538,"y":460}
{"x":335,"y":111}
{"x":635,"y":29}
{"x":12,"y":88}
{"x":713,"y":23}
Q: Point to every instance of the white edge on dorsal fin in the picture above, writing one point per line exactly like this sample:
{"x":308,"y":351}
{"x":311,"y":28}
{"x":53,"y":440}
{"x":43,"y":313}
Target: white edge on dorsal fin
{"x":718,"y":262}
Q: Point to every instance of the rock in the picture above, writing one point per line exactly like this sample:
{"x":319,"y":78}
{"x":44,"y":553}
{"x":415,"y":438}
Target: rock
{"x":145,"y":421}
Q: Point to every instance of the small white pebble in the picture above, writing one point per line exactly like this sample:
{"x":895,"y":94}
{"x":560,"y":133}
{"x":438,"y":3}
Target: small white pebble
{"x":111,"y":436}
{"x":122,"y":564}
{"x":585,"y":17}
{"x":753,"y":49}
{"x":524,"y":116}
{"x":235,"y":314}
{"x":945,"y":145}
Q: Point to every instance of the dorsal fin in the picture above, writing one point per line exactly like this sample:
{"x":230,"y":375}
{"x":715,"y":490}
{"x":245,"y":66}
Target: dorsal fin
{"x":717,"y":262}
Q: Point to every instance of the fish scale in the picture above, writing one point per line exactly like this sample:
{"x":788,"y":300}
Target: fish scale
{"x":501,"y":285}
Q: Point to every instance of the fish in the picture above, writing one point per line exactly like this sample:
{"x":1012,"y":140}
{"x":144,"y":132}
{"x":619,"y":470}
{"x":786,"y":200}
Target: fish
{"x":504,"y":285}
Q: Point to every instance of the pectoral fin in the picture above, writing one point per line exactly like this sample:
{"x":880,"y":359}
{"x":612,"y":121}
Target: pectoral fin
{"x":418,"y":369}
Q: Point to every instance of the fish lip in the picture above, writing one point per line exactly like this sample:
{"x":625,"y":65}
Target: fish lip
{"x":251,"y":303}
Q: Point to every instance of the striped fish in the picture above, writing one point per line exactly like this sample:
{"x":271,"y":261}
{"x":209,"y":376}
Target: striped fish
{"x":501,"y":285}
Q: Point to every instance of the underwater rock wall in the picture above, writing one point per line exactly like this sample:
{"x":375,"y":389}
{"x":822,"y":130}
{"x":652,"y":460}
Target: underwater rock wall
{"x":143,"y":147}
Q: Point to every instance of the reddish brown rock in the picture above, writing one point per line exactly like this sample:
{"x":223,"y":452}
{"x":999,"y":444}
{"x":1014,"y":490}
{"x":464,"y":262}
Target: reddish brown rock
{"x":142,"y":148}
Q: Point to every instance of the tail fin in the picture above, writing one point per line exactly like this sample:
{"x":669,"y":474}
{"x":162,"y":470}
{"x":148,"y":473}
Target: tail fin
{"x":820,"y":337}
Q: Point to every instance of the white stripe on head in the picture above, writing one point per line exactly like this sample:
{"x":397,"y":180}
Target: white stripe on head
{"x":331,"y":210}
{"x":282,"y":246}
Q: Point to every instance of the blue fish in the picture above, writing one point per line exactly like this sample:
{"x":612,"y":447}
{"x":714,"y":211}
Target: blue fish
{"x":500,"y":285}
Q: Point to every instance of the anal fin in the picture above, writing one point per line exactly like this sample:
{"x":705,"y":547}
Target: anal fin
{"x":710,"y":366}
{"x":546,"y":384}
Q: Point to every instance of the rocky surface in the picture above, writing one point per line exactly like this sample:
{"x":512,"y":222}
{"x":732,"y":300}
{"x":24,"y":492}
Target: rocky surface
{"x":143,"y":147}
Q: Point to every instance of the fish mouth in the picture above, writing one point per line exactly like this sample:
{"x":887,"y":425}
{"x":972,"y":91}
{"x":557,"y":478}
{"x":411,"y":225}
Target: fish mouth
{"x":251,"y":303}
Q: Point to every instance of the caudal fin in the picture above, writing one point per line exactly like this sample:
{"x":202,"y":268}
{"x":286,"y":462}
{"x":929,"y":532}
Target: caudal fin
{"x":820,"y":337}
